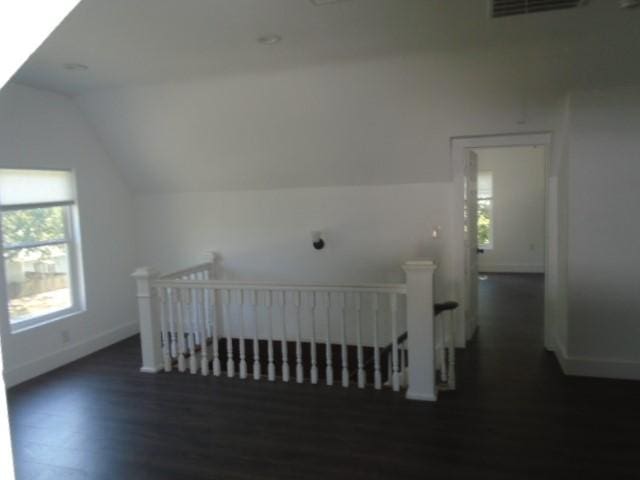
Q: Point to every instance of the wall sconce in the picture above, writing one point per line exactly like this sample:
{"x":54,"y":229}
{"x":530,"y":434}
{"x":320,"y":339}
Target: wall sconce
{"x":316,"y":238}
{"x":436,"y":232}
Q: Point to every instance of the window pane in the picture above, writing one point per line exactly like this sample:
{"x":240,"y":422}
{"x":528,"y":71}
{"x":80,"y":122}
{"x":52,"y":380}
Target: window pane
{"x":37,"y":281}
{"x":33,"y":225}
{"x":485,"y":184}
{"x":485,"y":235}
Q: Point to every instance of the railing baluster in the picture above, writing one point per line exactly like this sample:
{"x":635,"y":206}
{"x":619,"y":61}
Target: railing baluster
{"x":194,"y":317}
{"x":282,"y":297}
{"x":256,"y":344}
{"x":191,"y":310}
{"x":361,"y":375}
{"x":328,"y":352}
{"x":377,"y":375}
{"x":214,"y":297}
{"x":299,"y":369}
{"x":271,"y":367}
{"x":173,"y":335}
{"x":204,"y":349}
{"x":402,"y":355}
{"x":180,"y":329}
{"x":452,"y":351}
{"x":243,"y":360}
{"x":395,"y":377}
{"x":164,"y":328}
{"x":228,"y":333}
{"x":191,"y":334}
{"x":312,"y":347}
{"x":207,"y":313}
{"x":405,"y":365}
{"x":442,"y":350}
{"x":343,"y":340}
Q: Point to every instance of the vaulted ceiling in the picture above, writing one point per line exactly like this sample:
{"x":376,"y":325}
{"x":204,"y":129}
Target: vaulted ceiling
{"x":150,"y":41}
{"x":357,"y":92}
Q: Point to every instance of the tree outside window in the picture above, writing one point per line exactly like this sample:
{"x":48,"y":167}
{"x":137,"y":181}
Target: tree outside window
{"x":485,"y":210}
{"x":39,"y":245}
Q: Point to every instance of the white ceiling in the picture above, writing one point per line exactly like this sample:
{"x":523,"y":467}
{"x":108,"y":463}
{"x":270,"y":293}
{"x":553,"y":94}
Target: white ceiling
{"x":127,"y":42}
{"x":360,"y":92}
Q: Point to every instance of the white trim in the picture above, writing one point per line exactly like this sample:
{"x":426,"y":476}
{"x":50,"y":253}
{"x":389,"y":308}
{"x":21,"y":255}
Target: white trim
{"x":151,"y":369}
{"x":48,"y":243}
{"x":76,"y":275}
{"x":614,"y":368}
{"x":19,"y":326}
{"x":510,"y":268}
{"x":33,"y":206}
{"x":26,"y":371}
{"x":399,"y":288}
{"x":421,"y":397}
{"x":460,"y":146}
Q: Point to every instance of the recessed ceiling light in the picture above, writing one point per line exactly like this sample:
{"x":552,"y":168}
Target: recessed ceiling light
{"x":75,"y":67}
{"x":269,"y":39}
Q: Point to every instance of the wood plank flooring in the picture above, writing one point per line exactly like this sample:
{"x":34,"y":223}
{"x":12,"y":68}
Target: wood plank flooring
{"x":515,"y":416}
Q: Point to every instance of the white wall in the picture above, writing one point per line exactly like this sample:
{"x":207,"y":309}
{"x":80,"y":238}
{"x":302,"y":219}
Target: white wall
{"x":518,"y":209}
{"x":603,"y":228}
{"x":39,"y":129}
{"x":266,"y":234}
{"x":556,"y":316}
{"x":281,"y":144}
{"x":376,"y":122}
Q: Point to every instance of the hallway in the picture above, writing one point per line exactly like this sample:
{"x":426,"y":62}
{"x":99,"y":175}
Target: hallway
{"x":515,"y":416}
{"x":508,"y":348}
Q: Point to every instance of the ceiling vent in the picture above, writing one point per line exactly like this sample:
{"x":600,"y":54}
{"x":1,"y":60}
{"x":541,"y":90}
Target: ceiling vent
{"x":507,"y":8}
{"x":320,"y":3}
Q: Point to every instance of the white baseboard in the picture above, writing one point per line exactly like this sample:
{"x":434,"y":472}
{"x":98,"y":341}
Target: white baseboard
{"x":150,"y":369}
{"x":510,"y":268}
{"x":26,"y":371}
{"x":421,"y":396}
{"x":596,"y":367}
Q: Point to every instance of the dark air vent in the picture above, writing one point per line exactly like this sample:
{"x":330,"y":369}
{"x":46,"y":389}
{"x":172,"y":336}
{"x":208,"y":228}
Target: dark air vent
{"x":506,"y":8}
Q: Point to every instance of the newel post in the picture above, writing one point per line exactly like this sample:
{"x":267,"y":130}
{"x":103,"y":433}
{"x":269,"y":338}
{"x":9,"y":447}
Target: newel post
{"x":149,"y":326}
{"x":213,"y":258}
{"x":420,"y":329}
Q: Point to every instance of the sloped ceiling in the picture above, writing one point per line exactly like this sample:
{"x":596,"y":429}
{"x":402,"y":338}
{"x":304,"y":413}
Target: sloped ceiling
{"x":149,"y":41}
{"x":357,"y":92}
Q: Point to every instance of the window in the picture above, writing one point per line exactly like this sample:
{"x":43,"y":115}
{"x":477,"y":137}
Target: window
{"x":485,"y":210}
{"x":39,"y":245}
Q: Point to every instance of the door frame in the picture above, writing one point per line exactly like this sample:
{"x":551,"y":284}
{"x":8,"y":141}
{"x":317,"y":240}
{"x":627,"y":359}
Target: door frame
{"x":460,"y":147}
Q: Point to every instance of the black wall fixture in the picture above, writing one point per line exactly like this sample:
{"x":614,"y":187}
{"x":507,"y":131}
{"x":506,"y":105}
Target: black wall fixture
{"x":318,"y":242}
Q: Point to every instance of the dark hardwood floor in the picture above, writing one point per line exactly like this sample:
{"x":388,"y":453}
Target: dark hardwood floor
{"x":514,"y":416}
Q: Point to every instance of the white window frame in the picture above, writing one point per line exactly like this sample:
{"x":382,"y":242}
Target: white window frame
{"x":491,"y":200}
{"x":72,"y":240}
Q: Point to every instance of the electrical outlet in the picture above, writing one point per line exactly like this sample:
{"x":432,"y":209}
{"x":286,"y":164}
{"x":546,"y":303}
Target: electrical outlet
{"x":65,"y":336}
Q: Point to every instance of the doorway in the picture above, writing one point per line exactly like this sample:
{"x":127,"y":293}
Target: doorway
{"x":510,"y":238}
{"x":501,"y":221}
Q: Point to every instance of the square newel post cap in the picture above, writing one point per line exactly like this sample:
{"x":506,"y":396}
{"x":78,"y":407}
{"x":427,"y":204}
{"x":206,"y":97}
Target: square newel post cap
{"x":144,"y":272}
{"x":419,"y":264}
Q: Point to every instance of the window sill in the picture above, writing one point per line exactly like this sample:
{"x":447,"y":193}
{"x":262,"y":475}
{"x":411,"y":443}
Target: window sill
{"x":31,"y":323}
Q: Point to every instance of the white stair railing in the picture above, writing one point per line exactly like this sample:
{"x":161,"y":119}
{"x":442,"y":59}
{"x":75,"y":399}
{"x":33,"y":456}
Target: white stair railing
{"x":188,"y":320}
